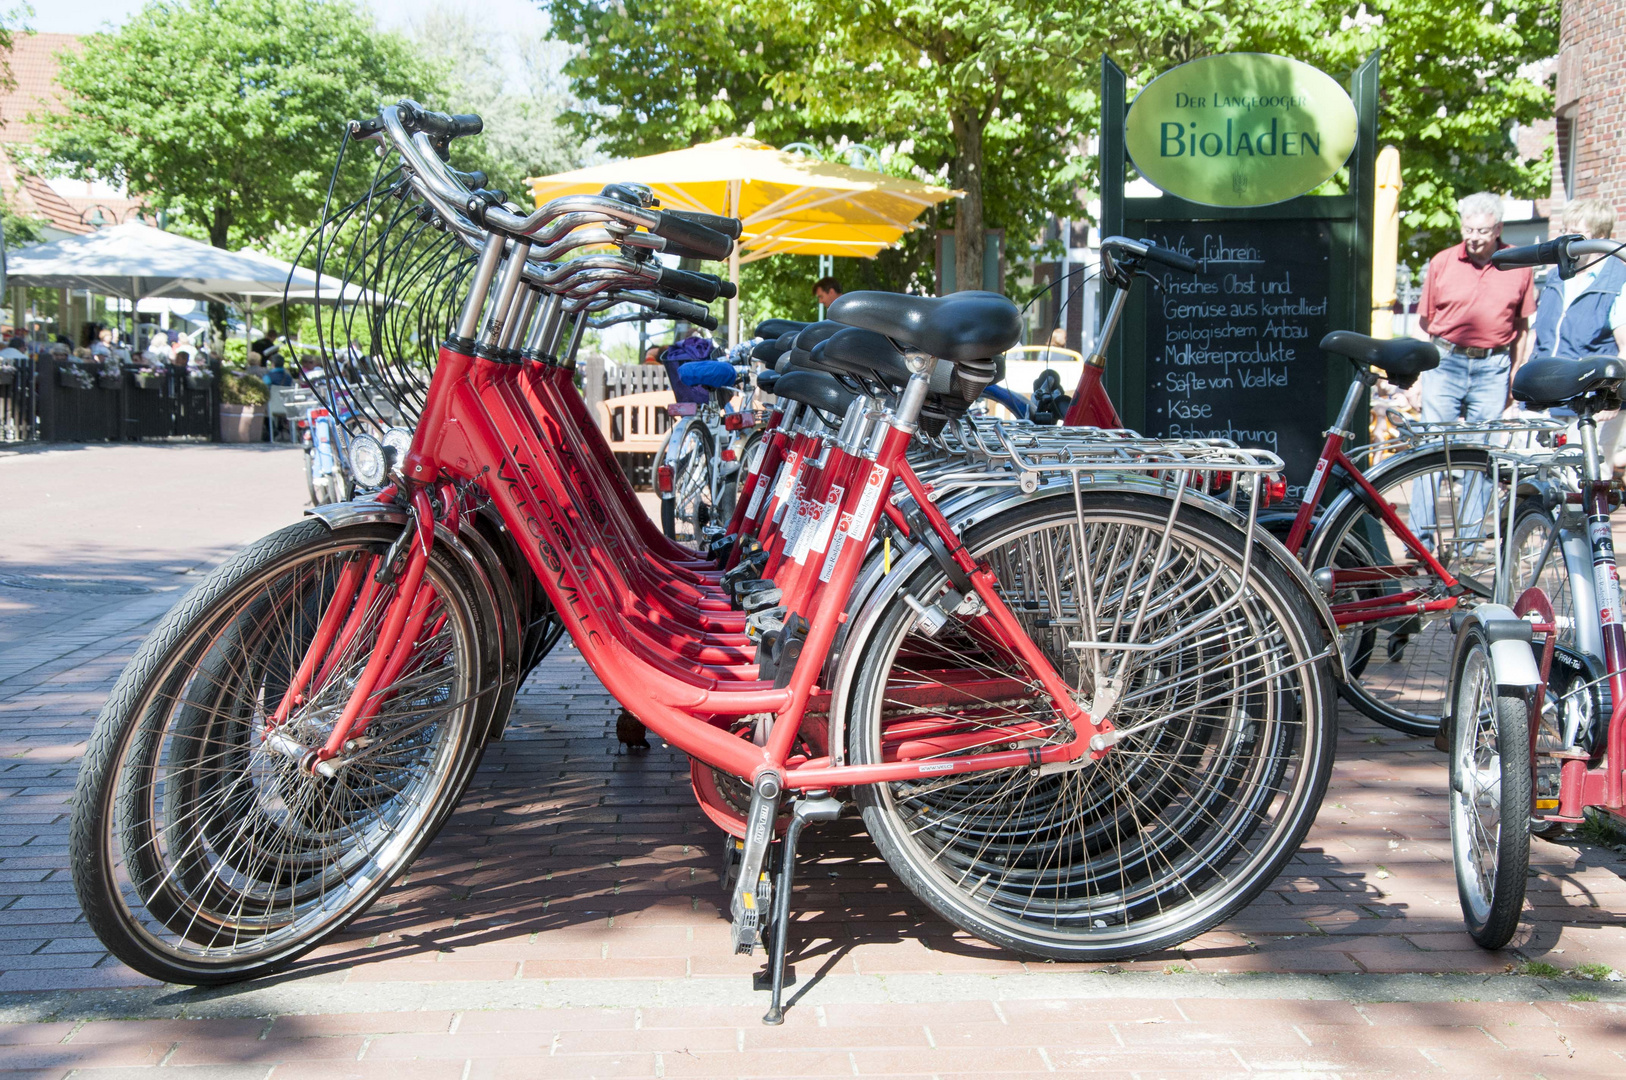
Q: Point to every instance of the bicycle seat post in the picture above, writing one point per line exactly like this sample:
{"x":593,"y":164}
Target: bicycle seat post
{"x":1365,"y":379}
{"x":1587,"y":424}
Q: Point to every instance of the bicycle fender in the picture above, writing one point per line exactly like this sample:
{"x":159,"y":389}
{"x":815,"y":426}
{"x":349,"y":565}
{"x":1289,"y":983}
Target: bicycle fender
{"x":1513,"y":659}
{"x":357,"y":512}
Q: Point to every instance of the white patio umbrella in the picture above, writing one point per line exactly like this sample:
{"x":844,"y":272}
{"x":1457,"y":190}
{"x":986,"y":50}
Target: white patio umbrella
{"x":301,"y":286}
{"x":135,"y":261}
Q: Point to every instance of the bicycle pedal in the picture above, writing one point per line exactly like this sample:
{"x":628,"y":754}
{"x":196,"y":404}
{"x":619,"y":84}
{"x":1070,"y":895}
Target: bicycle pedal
{"x":749,"y":568}
{"x":732,"y":850}
{"x":718,"y":549}
{"x":778,"y":650}
{"x":759,"y":624}
{"x":745,"y":589}
{"x":761,"y":599}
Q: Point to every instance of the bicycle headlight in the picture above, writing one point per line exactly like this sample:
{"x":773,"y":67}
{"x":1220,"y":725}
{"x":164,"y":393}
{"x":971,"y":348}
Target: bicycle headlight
{"x":398,"y":440}
{"x":367,"y":461}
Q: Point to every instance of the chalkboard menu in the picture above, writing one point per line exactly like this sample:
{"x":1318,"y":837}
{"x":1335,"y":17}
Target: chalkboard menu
{"x":1234,"y":352}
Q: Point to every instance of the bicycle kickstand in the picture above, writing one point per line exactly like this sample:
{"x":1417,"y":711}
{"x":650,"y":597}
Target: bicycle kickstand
{"x":819,"y":807}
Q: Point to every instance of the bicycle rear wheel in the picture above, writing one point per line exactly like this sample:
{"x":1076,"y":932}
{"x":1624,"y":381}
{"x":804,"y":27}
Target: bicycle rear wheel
{"x":1399,"y":668}
{"x":201,"y":852}
{"x":1186,"y":819}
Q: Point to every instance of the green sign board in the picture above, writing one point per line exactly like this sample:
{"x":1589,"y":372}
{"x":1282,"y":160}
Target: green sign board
{"x":1240,"y":129}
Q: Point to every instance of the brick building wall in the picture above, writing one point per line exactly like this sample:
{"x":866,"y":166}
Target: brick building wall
{"x":1591,"y":103}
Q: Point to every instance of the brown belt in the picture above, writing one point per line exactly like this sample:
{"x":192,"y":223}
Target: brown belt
{"x":1472,"y":352}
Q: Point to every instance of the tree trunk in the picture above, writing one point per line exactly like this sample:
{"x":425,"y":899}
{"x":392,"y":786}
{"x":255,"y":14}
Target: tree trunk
{"x":969,"y":233}
{"x":220,"y":237}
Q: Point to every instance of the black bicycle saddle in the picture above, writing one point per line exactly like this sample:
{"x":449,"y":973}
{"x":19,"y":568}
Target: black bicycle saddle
{"x":960,"y":326}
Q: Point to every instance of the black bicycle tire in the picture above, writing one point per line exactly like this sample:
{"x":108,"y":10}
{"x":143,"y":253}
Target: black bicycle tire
{"x":1513,"y":840}
{"x":97,"y":780}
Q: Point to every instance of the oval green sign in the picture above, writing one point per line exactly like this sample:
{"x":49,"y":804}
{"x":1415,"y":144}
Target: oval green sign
{"x":1240,"y":129}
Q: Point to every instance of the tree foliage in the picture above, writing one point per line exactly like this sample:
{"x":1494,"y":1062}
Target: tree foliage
{"x":520,"y":96}
{"x":226,"y":113}
{"x":972,"y":87}
{"x":657,"y":75}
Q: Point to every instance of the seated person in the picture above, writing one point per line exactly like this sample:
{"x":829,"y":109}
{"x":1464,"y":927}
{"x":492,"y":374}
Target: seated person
{"x":278,"y":375}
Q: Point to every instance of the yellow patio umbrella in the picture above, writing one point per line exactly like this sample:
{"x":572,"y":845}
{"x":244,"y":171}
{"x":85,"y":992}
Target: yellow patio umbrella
{"x":1385,"y":242}
{"x":790,"y":205}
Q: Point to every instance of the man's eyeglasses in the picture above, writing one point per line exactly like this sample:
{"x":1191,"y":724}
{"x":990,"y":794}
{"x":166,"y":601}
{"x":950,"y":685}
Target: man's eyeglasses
{"x":1470,"y":231}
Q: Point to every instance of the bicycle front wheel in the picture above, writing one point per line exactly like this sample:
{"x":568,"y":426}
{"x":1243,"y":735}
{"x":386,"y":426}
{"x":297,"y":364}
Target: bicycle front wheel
{"x":1489,"y":797}
{"x":1228,"y":744}
{"x":1399,"y":664}
{"x":203,"y":851}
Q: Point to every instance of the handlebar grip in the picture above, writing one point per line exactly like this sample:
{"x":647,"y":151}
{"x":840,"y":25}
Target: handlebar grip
{"x":1543,"y":254}
{"x":704,"y":287}
{"x":1172,"y":258}
{"x":682,"y":309}
{"x":474,"y":180}
{"x":694,"y":237}
{"x":438,"y":125}
{"x":728,"y":226}
{"x":681,"y":252}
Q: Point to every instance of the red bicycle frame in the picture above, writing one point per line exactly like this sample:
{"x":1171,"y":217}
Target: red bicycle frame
{"x":497,"y":426}
{"x":1378,"y":608}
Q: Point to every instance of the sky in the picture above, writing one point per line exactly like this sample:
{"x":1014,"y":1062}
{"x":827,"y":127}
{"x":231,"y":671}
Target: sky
{"x":88,"y":16}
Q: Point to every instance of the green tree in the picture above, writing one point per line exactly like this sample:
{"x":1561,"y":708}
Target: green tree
{"x":519,"y":93}
{"x":19,"y":229}
{"x":984,"y":92}
{"x":656,"y":75}
{"x":226,"y":114}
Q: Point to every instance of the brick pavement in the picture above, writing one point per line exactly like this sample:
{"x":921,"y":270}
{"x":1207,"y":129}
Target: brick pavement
{"x":570,"y":911}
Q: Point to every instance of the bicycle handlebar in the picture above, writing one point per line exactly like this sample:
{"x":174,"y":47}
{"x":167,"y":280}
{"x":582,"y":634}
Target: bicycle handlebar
{"x":1145,"y":249}
{"x":728,"y":226}
{"x":1562,"y":251}
{"x":665,"y":305}
{"x":439,"y":125}
{"x":679,"y":229}
{"x":704,"y":287}
{"x":1176,"y":259}
{"x":420,"y":136}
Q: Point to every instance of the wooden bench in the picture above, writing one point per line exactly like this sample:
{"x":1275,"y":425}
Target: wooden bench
{"x":636,"y":423}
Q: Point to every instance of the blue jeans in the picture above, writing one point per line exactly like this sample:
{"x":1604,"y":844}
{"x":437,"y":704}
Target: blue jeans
{"x":1461,"y":388}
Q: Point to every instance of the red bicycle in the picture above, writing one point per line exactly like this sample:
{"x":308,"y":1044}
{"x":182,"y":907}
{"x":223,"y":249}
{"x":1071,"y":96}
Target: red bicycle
{"x":1082,"y":712}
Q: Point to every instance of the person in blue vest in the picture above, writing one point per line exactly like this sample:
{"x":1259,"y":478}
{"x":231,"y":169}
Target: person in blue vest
{"x":1586,"y":315}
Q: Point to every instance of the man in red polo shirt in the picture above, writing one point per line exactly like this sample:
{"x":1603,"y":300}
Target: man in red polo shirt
{"x":1477,"y":315}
